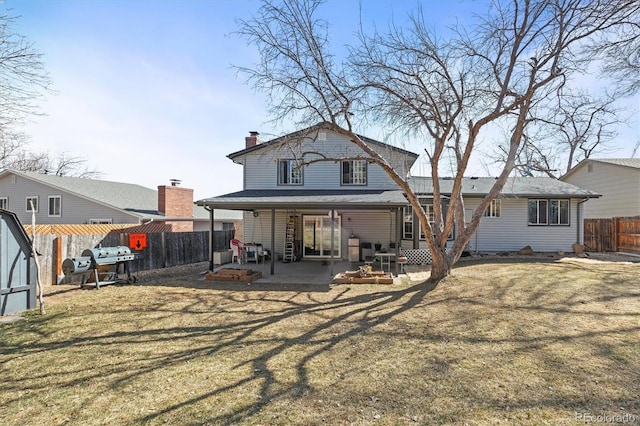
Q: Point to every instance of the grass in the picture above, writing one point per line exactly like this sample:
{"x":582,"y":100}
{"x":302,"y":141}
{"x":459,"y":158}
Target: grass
{"x":512,"y":343}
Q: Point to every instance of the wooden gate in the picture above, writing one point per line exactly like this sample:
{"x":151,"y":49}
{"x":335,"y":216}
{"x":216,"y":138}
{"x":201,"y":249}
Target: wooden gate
{"x":628,"y":234}
{"x":599,"y":235}
{"x":617,"y":234}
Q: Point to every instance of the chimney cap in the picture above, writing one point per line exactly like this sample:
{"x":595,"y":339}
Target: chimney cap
{"x":254,"y":133}
{"x":175,"y":182}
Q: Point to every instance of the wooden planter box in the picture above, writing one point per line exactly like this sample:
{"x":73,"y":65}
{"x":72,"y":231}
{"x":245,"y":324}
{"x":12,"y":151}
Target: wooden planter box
{"x":240,"y":275}
{"x":375,"y":277}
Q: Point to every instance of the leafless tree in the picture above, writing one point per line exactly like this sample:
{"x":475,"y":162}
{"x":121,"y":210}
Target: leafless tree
{"x":567,"y":132}
{"x":446,"y":90}
{"x":23,"y":82}
{"x":619,"y":53}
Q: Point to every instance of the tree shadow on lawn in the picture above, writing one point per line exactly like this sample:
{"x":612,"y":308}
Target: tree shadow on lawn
{"x":338,"y":318}
{"x":366,"y":311}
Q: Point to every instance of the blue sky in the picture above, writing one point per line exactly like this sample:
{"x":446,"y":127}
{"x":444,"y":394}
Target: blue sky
{"x":145,"y":90}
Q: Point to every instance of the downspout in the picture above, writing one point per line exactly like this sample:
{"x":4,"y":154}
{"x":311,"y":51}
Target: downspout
{"x":580,"y":219}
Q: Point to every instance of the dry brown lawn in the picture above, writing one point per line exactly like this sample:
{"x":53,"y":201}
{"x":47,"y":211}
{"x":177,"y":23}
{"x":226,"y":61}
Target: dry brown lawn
{"x":547,"y":342}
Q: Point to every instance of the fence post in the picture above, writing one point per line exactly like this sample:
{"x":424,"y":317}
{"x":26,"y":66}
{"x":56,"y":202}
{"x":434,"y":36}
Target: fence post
{"x":56,"y":268}
{"x":616,"y":234}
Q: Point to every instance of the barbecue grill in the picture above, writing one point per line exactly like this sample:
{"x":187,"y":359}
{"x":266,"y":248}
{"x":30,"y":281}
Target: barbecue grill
{"x":102,"y":264}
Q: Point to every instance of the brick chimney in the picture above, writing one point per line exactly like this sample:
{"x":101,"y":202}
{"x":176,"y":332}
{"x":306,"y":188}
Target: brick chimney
{"x":174,"y":201}
{"x":253,"y":139}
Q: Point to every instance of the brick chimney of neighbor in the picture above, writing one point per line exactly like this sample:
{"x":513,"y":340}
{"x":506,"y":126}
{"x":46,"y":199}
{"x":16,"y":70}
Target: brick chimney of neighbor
{"x":175,"y":201}
{"x":252,"y":139}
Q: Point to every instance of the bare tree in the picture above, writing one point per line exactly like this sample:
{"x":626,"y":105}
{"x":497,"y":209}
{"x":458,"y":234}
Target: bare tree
{"x":23,"y":76}
{"x":619,"y":53}
{"x":23,"y":82}
{"x":567,"y":132}
{"x":447,"y":91}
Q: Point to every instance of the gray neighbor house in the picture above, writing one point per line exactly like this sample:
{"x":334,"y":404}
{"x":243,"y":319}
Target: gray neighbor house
{"x":73,"y":200}
{"x":348,"y":209}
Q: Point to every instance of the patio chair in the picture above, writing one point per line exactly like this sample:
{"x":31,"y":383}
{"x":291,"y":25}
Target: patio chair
{"x":236,"y":247}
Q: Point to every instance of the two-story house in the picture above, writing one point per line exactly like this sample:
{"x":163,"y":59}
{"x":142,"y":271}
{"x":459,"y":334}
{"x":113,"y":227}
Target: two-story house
{"x":321,"y":209}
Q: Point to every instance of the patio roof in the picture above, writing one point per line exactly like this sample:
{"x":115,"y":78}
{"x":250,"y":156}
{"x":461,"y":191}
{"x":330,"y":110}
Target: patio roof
{"x":290,"y":199}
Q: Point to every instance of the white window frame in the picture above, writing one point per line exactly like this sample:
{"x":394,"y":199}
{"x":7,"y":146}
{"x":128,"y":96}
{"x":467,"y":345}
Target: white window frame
{"x":557,"y":219}
{"x":289,"y":173}
{"x":59,"y":205}
{"x":28,"y":205}
{"x":357,"y":173}
{"x":548,"y":211}
{"x":407,"y":222}
{"x":494,"y":209}
{"x":4,"y":203}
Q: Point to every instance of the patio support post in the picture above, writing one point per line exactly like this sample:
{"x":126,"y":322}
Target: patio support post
{"x":416,"y":230}
{"x":333,"y":224}
{"x":210,"y":237}
{"x":398,"y":234}
{"x":273,"y":240}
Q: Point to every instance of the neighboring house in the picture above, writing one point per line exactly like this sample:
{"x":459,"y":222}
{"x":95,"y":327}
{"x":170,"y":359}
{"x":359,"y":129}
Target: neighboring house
{"x":292,"y":209}
{"x":72,"y":200}
{"x":616,"y":179}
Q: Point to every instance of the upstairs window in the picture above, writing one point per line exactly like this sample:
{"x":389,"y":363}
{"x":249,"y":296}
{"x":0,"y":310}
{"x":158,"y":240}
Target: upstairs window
{"x":289,"y":173}
{"x":548,"y":212}
{"x":493,"y":209}
{"x":32,"y":204}
{"x":55,"y":206}
{"x":4,"y":203}
{"x":354,"y":172}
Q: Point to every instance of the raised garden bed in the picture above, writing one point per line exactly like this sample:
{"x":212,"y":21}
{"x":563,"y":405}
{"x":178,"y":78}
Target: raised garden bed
{"x":230,"y":274}
{"x":365,"y":275}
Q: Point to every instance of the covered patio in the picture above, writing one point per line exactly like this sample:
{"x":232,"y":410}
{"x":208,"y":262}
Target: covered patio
{"x":273,"y":208}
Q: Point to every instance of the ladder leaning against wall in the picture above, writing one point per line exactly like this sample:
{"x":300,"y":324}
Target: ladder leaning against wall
{"x":289,"y":251}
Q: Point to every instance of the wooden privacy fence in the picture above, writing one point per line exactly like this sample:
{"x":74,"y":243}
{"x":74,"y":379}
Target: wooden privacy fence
{"x":164,"y":249}
{"x":617,"y":234}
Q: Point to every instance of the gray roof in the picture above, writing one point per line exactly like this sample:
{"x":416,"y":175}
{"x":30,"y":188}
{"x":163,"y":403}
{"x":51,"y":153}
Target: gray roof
{"x":626,"y":162}
{"x":514,"y":187}
{"x":133,"y":198}
{"x":633,"y":163}
{"x":304,"y":132}
{"x":297,"y":198}
{"x":379,"y":199}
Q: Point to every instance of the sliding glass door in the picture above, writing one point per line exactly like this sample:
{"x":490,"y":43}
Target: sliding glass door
{"x":317,"y":236}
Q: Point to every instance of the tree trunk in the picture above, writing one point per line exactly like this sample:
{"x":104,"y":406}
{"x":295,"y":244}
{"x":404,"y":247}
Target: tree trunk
{"x":440,"y":265}
{"x":35,"y":259}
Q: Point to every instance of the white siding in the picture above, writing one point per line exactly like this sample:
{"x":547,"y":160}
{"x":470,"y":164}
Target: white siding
{"x":511,"y":230}
{"x":368,"y":225}
{"x":260,"y":168}
{"x":619,"y":186}
{"x":75,"y":210}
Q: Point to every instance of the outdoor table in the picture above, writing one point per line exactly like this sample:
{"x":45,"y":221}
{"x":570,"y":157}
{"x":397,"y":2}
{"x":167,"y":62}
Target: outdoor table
{"x":385,"y":259}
